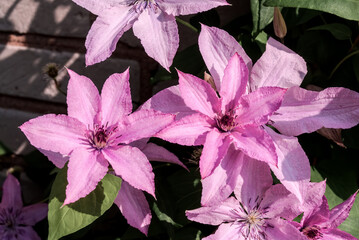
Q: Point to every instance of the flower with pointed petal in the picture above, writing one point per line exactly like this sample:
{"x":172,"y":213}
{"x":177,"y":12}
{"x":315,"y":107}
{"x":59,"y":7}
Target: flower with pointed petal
{"x":16,"y":221}
{"x":319,"y":222}
{"x":153,"y":23}
{"x":97,"y":132}
{"x":257,"y":212}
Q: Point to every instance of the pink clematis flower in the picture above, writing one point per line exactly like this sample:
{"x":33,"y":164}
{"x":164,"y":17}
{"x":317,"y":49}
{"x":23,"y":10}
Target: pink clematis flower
{"x":319,"y":222}
{"x":258,"y":211}
{"x":153,"y":23}
{"x":235,"y":117}
{"x":97,"y":132}
{"x":16,"y":221}
{"x":301,"y":111}
{"x":131,"y":201}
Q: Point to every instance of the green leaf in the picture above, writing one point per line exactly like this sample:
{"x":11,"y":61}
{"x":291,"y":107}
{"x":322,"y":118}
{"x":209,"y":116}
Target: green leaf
{"x":262,"y":15}
{"x":71,"y":218}
{"x":339,"y":31}
{"x":3,"y":150}
{"x":163,"y":216}
{"x":348,"y":9}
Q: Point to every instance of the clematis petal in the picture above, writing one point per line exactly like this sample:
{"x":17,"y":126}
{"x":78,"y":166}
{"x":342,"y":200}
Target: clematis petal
{"x":132,"y":166}
{"x":116,"y":98}
{"x":83,"y":99}
{"x":198,"y":94}
{"x":214,"y":149}
{"x":57,"y":159}
{"x":56,"y":133}
{"x":217,"y":47}
{"x":254,"y":178}
{"x":293,"y":168}
{"x":215,"y":215}
{"x":143,"y":124}
{"x":304,"y":111}
{"x":25,"y":233}
{"x":282,"y":229}
{"x":95,"y":6}
{"x":86,"y":169}
{"x":256,"y":107}
{"x":11,"y":196}
{"x":234,"y":83}
{"x":318,"y":215}
{"x":220,"y":184}
{"x":337,"y":234}
{"x":190,"y":130}
{"x":278,"y":67}
{"x":279,"y":202}
{"x":32,"y":214}
{"x":227,"y":231}
{"x":168,"y":100}
{"x":106,"y":31}
{"x":340,"y":212}
{"x":185,"y":7}
{"x":255,"y":143}
{"x":134,"y":207}
{"x":158,"y":33}
{"x":160,"y":154}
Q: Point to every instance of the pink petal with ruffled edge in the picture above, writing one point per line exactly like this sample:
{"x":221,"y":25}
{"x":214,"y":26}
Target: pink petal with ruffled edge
{"x":168,"y":100}
{"x":293,"y":169}
{"x":190,"y":130}
{"x":234,"y":83}
{"x":83,"y":99}
{"x":254,"y":178}
{"x":283,"y":230}
{"x":217,"y":47}
{"x":278,"y":67}
{"x":11,"y":195}
{"x":256,"y":107}
{"x":215,"y":215}
{"x":56,"y":133}
{"x":214,"y":149}
{"x":132,"y":166}
{"x":32,"y":214}
{"x":106,"y":31}
{"x":57,"y":159}
{"x":227,"y":231}
{"x":158,"y":33}
{"x":116,"y":100}
{"x":198,"y":94}
{"x":340,"y":212}
{"x":221,"y":183}
{"x":315,"y":206}
{"x":86,"y":169}
{"x":134,"y":207}
{"x":160,"y":154}
{"x":255,"y":143}
{"x":304,"y":111}
{"x":185,"y":7}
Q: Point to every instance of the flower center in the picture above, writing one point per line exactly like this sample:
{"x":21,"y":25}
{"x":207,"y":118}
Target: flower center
{"x":312,"y":232}
{"x":226,"y":122}
{"x":100,"y":136}
{"x":140,"y":5}
{"x":8,"y":217}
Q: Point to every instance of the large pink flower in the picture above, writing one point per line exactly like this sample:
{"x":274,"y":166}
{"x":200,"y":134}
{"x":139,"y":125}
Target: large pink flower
{"x":301,"y":110}
{"x":153,"y":23}
{"x":16,"y":221}
{"x":257,"y":212}
{"x":97,"y":132}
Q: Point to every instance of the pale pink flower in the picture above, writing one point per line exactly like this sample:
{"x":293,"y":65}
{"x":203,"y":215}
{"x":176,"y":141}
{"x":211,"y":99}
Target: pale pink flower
{"x":97,"y":132}
{"x":153,"y":23}
{"x":301,"y":111}
{"x":257,"y":212}
{"x":319,"y":222}
{"x":16,"y":221}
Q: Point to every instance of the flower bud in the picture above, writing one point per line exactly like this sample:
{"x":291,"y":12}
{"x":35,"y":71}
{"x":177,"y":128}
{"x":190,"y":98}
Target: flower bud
{"x":280,"y":29}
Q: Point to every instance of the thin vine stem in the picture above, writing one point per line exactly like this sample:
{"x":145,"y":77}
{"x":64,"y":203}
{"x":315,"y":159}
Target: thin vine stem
{"x":342,"y":61}
{"x":187,"y":24}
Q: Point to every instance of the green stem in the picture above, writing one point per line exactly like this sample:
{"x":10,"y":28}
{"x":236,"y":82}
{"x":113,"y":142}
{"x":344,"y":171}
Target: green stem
{"x":187,"y":24}
{"x":341,"y":62}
